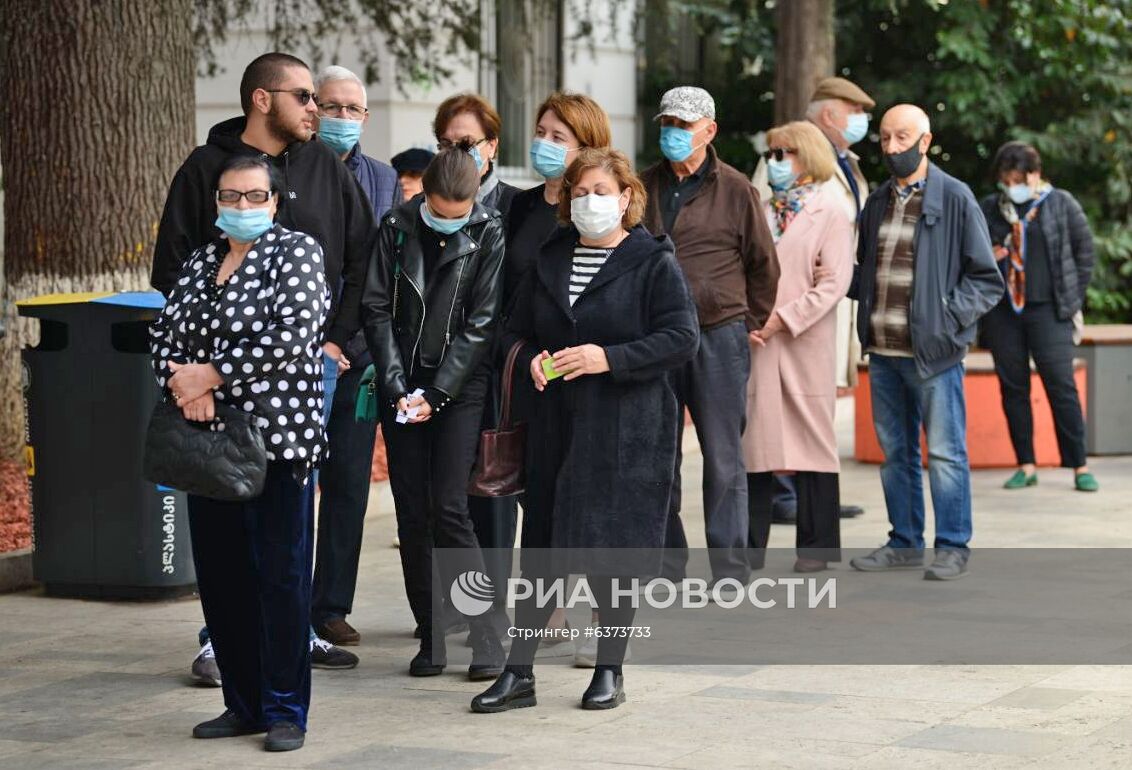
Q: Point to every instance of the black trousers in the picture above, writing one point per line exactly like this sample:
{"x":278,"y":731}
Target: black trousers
{"x":818,"y":534}
{"x":429,"y":466}
{"x":495,"y":518}
{"x":713,"y":386}
{"x":344,"y":481}
{"x":530,"y":616}
{"x":1013,"y":338}
{"x":253,"y":563}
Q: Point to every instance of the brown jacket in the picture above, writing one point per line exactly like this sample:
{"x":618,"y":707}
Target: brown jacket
{"x":723,"y":244}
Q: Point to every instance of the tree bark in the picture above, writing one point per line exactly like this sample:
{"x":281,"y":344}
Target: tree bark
{"x":96,"y":113}
{"x":804,"y":53}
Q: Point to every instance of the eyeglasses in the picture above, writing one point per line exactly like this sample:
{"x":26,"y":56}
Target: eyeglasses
{"x":465,"y":144}
{"x":330,"y":110}
{"x":303,"y":95}
{"x":779,"y":152}
{"x":253,"y":196}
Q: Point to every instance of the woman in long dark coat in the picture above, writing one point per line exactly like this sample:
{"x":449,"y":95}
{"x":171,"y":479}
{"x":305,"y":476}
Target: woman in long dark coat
{"x":607,"y":305}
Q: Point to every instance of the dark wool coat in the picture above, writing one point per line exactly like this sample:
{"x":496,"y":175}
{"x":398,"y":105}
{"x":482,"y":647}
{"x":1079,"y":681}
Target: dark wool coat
{"x":602,"y":448}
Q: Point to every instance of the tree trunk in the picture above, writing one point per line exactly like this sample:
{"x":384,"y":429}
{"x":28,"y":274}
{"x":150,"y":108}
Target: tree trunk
{"x":803,"y":55}
{"x":96,"y":113}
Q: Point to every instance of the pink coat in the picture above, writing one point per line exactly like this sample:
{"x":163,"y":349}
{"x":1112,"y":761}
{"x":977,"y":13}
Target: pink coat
{"x":792,"y":390}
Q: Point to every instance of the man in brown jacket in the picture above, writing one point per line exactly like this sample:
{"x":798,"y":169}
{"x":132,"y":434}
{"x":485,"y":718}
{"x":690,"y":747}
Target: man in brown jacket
{"x":725,"y":248}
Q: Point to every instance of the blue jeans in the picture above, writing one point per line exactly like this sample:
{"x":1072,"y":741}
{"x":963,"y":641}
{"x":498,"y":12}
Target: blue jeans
{"x":902,"y":400}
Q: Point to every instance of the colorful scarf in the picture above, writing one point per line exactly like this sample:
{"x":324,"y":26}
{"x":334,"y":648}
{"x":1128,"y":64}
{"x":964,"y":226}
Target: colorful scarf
{"x":1013,"y":247}
{"x":785,"y":205}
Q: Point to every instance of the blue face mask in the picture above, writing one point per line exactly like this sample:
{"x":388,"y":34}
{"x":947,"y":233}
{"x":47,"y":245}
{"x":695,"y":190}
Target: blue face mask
{"x":780,"y":173}
{"x":477,"y":157}
{"x":440,"y":225}
{"x":339,"y":134}
{"x":676,"y":143}
{"x":1019,"y":193}
{"x":856,"y":128}
{"x":548,"y":159}
{"x":243,"y":225}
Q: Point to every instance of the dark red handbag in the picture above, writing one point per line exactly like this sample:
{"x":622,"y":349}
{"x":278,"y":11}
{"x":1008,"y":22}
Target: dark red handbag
{"x":499,"y":463}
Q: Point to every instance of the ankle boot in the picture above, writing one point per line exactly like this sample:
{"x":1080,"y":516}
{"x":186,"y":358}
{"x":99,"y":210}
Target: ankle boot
{"x":487,"y":653}
{"x":509,"y":691}
{"x":606,"y":690}
{"x":428,"y":661}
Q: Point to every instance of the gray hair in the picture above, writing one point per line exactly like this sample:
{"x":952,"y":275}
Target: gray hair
{"x":814,"y":108}
{"x":334,"y":73}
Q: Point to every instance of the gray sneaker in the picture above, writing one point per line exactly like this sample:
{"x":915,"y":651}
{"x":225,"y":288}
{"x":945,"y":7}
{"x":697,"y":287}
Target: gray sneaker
{"x":888,"y":558}
{"x":205,"y":670}
{"x":949,"y":564}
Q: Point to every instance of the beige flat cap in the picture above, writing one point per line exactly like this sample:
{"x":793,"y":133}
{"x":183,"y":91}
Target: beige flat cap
{"x":840,"y":88}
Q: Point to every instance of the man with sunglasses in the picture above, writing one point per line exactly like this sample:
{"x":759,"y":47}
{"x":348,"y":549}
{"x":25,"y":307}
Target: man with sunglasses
{"x":725,"y":248}
{"x":839,"y":108}
{"x":320,"y":197}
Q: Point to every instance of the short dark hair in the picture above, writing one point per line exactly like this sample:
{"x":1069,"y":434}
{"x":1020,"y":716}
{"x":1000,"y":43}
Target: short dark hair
{"x":1015,"y":156}
{"x":247,"y":162}
{"x":266,"y":72}
{"x":452,"y":175}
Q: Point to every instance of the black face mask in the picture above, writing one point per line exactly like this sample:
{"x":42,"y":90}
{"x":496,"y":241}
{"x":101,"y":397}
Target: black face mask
{"x":903,"y":164}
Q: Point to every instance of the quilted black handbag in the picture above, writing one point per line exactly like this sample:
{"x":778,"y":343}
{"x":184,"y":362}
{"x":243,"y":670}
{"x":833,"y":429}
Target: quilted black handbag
{"x":229,"y":464}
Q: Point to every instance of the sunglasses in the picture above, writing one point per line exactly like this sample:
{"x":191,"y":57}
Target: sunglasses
{"x":303,"y":95}
{"x":778,"y":153}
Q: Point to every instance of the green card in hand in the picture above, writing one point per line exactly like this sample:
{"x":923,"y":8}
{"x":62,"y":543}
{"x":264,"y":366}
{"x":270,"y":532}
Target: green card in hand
{"x":549,"y":370}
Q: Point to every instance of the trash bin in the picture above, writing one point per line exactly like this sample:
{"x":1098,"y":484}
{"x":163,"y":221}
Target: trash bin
{"x":100,"y":529}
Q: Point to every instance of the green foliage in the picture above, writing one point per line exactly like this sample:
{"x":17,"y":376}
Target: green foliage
{"x":1056,"y":73}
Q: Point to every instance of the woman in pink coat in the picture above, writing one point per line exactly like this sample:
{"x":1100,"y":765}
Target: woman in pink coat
{"x":792,"y":389}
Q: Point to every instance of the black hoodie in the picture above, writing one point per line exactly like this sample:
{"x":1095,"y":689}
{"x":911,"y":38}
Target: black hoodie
{"x":320,"y":197}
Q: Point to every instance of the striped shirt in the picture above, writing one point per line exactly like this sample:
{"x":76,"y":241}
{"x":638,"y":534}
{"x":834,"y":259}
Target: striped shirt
{"x":891,"y":334}
{"x":587,"y":263}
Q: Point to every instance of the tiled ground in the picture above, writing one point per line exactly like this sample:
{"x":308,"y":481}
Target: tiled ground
{"x":104,"y":685}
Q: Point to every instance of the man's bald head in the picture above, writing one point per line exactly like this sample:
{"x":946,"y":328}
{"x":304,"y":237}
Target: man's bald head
{"x":902,"y":126}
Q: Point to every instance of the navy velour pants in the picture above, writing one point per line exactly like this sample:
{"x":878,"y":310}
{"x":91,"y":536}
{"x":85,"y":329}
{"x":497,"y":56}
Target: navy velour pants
{"x":253,"y":562}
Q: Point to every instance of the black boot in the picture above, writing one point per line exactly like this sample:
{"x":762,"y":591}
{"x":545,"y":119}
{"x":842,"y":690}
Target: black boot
{"x":487,"y":653}
{"x":606,"y":690}
{"x":428,"y":661}
{"x":510,"y":691}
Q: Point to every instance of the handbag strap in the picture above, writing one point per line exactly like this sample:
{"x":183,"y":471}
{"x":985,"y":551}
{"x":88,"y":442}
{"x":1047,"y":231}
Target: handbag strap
{"x":508,"y":383}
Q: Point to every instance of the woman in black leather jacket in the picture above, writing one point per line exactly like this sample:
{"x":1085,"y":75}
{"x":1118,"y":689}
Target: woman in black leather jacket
{"x":429,"y":309}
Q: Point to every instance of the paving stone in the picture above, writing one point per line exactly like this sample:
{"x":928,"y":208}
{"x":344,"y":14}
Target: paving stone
{"x":983,"y":740}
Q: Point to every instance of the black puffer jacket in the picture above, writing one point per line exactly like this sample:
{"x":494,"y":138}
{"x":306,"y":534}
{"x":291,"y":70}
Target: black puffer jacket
{"x":447,"y":324}
{"x":1069,"y":242}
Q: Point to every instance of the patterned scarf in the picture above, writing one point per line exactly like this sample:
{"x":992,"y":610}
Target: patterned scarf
{"x":1013,"y":248}
{"x":787,"y":203}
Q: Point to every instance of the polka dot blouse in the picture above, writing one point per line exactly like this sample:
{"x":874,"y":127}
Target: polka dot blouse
{"x":262,"y":331}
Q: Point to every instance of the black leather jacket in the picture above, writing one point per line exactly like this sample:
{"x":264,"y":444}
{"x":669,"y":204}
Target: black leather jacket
{"x":447,"y":324}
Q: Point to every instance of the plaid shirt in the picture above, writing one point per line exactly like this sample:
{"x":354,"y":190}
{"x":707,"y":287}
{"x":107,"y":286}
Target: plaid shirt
{"x":888,"y":325}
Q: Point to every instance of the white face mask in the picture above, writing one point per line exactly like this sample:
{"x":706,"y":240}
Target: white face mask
{"x":596,"y":216}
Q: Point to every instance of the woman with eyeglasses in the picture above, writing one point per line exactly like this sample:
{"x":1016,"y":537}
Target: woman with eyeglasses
{"x":792,"y":388}
{"x":243,"y":326}
{"x":1045,"y":250}
{"x":429,"y":315}
{"x":468,"y":121}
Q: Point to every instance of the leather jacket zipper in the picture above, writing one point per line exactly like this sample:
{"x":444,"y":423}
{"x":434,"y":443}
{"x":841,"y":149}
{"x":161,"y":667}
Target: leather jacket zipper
{"x":452,"y":308}
{"x":420,"y":330}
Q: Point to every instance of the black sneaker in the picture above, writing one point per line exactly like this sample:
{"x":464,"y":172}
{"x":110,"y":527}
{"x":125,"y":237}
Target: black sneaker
{"x":284,"y":736}
{"x":487,"y":654}
{"x":227,"y":725}
{"x":326,"y":655}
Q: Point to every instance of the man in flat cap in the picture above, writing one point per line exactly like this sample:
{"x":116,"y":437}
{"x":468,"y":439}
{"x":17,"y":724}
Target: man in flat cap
{"x":725,"y":248}
{"x":410,"y":166}
{"x":838,"y":108}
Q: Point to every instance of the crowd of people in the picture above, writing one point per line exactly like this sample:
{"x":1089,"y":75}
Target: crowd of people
{"x":303,"y":277}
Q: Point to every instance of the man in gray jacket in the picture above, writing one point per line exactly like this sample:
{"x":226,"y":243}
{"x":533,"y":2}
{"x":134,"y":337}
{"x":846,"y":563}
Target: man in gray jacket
{"x":926,"y":273}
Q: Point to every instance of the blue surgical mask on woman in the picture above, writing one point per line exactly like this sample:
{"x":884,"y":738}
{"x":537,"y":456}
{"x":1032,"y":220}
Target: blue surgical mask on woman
{"x":339,"y":134}
{"x":780,"y":173}
{"x":442,"y":225}
{"x":856,"y":127}
{"x":243,"y":225}
{"x":1019,"y":193}
{"x":548,"y":159}
{"x":676,"y":143}
{"x":474,"y":151}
